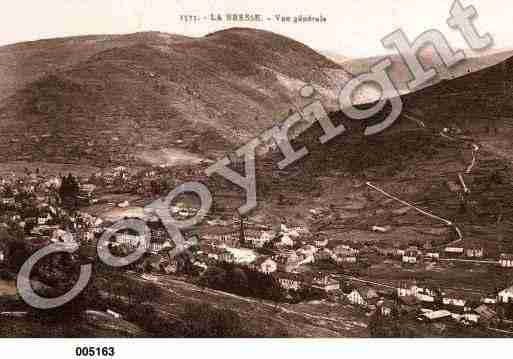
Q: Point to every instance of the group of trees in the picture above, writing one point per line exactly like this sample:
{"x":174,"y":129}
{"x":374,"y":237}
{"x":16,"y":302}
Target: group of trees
{"x":248,"y":282}
{"x":16,"y":250}
{"x":242,"y":281}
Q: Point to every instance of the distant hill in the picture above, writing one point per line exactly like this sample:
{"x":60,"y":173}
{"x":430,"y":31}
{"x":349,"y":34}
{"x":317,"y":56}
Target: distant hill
{"x":401,"y":75}
{"x":336,"y":57}
{"x":468,"y":101}
{"x":108,"y":99}
{"x":423,"y":158}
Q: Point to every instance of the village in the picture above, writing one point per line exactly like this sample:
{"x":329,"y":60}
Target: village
{"x":282,"y":262}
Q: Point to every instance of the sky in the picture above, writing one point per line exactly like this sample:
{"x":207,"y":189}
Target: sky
{"x":353,"y":28}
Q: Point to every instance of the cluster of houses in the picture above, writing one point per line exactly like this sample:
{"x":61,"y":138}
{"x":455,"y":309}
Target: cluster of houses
{"x":146,"y":181}
{"x":464,"y":249}
{"x":287,"y":253}
{"x":30,"y":205}
{"x":430,"y":304}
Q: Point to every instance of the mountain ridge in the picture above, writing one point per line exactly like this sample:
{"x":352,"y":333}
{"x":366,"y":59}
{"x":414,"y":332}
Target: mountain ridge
{"x":204,"y":95}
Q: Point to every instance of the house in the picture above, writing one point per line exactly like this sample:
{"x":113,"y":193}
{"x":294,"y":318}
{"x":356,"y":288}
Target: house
{"x":156,"y":246}
{"x":350,"y":258}
{"x":44,"y":230}
{"x":454,"y":251}
{"x":130,"y":238}
{"x":323,"y":254}
{"x":454,"y":300}
{"x":386,"y":306}
{"x":213,"y":253}
{"x":84,"y":235}
{"x":381,"y":229}
{"x":243,"y":256}
{"x":489,"y":299}
{"x":321,"y":242}
{"x":407,"y":288}
{"x":426,"y":297}
{"x":506,"y":260}
{"x":433,"y":256}
{"x":325,"y":283}
{"x":423,"y":295}
{"x":44,"y":219}
{"x":383,"y":250}
{"x":285,"y":241}
{"x":8,"y":201}
{"x":505,"y":295}
{"x":437,"y":315}
{"x":257,"y":239}
{"x":399,"y":251}
{"x":364,"y":296}
{"x":288,"y":261}
{"x":86,"y":192}
{"x":265,"y":265}
{"x":470,"y":316}
{"x":114,"y":314}
{"x":345,"y":254}
{"x":473,"y":249}
{"x":62,"y":236}
{"x":356,"y":298}
{"x":345,"y":250}
{"x":227,"y":257}
{"x":223,"y":236}
{"x":289,"y":281}
{"x":410,"y":255}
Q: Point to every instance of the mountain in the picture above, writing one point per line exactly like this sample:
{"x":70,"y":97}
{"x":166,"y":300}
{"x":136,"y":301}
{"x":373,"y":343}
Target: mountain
{"x":112,"y":99}
{"x":443,"y":142}
{"x":336,"y":57}
{"x":469,"y":101}
{"x":401,"y":75}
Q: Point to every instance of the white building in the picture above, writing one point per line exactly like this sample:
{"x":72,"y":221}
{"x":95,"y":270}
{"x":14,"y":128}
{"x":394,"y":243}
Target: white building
{"x":506,"y":260}
{"x":289,"y":281}
{"x":407,"y":289}
{"x":506,"y":295}
{"x":265,"y":265}
{"x":433,"y":255}
{"x":454,"y":250}
{"x":356,"y":298}
{"x":454,"y":301}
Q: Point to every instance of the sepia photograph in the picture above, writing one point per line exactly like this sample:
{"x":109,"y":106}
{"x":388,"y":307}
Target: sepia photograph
{"x":255,"y":170}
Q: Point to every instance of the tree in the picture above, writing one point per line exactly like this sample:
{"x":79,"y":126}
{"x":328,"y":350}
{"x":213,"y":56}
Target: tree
{"x":69,"y":191}
{"x":19,"y":253}
{"x":214,"y":277}
{"x":239,"y":280}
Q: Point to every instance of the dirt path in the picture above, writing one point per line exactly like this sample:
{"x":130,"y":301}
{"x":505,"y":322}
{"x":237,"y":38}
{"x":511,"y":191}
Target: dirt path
{"x":468,"y":260}
{"x":423,"y":212}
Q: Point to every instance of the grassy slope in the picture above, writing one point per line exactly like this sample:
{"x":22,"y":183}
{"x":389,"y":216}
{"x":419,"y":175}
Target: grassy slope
{"x":153,"y":91}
